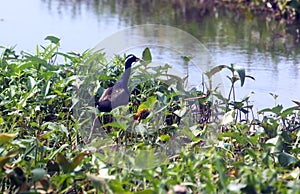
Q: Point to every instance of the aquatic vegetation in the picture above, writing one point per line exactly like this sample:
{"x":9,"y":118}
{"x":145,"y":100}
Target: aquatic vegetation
{"x":214,"y":145}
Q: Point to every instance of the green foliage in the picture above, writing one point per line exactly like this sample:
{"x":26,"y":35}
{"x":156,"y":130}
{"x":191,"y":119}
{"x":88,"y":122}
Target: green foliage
{"x":42,"y":141}
{"x":286,"y":9}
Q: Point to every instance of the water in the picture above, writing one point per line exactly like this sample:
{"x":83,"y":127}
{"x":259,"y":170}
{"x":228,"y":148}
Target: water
{"x":267,"y":49}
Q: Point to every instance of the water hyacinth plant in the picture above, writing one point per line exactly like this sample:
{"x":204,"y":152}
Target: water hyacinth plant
{"x":48,"y":142}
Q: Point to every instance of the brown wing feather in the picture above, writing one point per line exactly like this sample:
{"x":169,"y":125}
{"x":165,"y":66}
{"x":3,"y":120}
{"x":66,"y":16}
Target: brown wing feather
{"x":106,"y":94}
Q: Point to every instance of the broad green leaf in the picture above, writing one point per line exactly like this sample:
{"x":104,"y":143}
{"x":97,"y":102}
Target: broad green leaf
{"x":264,"y":110}
{"x":277,"y":144}
{"x":147,"y":55}
{"x":276,"y":110}
{"x":53,"y":39}
{"x":288,"y":111}
{"x":215,"y":70}
{"x":273,"y":141}
{"x":117,"y":186}
{"x":148,"y":104}
{"x":286,"y":159}
{"x":236,"y":135}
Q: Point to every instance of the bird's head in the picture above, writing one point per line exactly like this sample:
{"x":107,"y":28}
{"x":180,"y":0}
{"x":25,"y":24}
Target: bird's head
{"x":131,"y":59}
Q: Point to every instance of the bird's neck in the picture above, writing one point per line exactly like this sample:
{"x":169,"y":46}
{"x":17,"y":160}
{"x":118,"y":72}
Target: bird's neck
{"x":126,"y":75}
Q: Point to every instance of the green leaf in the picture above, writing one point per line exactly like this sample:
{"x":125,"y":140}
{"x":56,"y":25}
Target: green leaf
{"x":276,"y":110}
{"x":236,"y":135}
{"x":62,"y":147}
{"x":286,"y":159}
{"x":277,"y":144}
{"x":116,"y":186}
{"x":186,"y":58}
{"x":77,"y":160}
{"x":215,"y":70}
{"x":46,"y":88}
{"x":53,"y":39}
{"x":196,"y":130}
{"x":147,"y":55}
{"x":145,"y":159}
{"x":5,"y":137}
{"x":148,"y":104}
{"x":31,"y":82}
{"x":64,"y":163}
{"x":288,"y":111}
{"x":296,"y":102}
{"x":181,"y":112}
{"x":273,"y":141}
{"x":165,"y":137}
{"x":242,"y":74}
{"x":228,"y":118}
{"x":119,"y":125}
{"x":220,"y":167}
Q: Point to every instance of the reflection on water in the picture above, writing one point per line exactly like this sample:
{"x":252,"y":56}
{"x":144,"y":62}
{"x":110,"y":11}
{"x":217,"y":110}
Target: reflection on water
{"x":270,"y":51}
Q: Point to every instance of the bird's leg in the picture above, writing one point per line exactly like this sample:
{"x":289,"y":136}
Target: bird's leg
{"x":92,"y":129}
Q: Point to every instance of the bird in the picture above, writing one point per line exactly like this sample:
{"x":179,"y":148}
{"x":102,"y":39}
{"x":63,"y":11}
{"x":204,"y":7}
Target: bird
{"x":118,"y":94}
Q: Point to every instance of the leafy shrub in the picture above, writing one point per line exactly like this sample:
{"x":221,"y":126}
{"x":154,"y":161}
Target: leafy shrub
{"x":43,"y":147}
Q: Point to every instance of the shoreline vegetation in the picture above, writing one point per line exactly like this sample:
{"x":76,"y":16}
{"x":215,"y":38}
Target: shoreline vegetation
{"x":166,"y":140}
{"x":287,"y":10}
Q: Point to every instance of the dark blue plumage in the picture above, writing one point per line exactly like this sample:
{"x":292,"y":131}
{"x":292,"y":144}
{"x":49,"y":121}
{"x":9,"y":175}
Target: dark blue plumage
{"x":118,"y":94}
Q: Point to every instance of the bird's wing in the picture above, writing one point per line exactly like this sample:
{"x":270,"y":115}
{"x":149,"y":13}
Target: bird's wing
{"x":106,"y":94}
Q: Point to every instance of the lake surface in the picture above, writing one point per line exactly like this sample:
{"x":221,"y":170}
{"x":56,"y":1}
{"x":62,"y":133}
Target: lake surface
{"x":269,"y":50}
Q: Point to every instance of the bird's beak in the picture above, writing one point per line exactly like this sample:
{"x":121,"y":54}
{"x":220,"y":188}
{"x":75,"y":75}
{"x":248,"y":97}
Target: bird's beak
{"x":138,"y":59}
